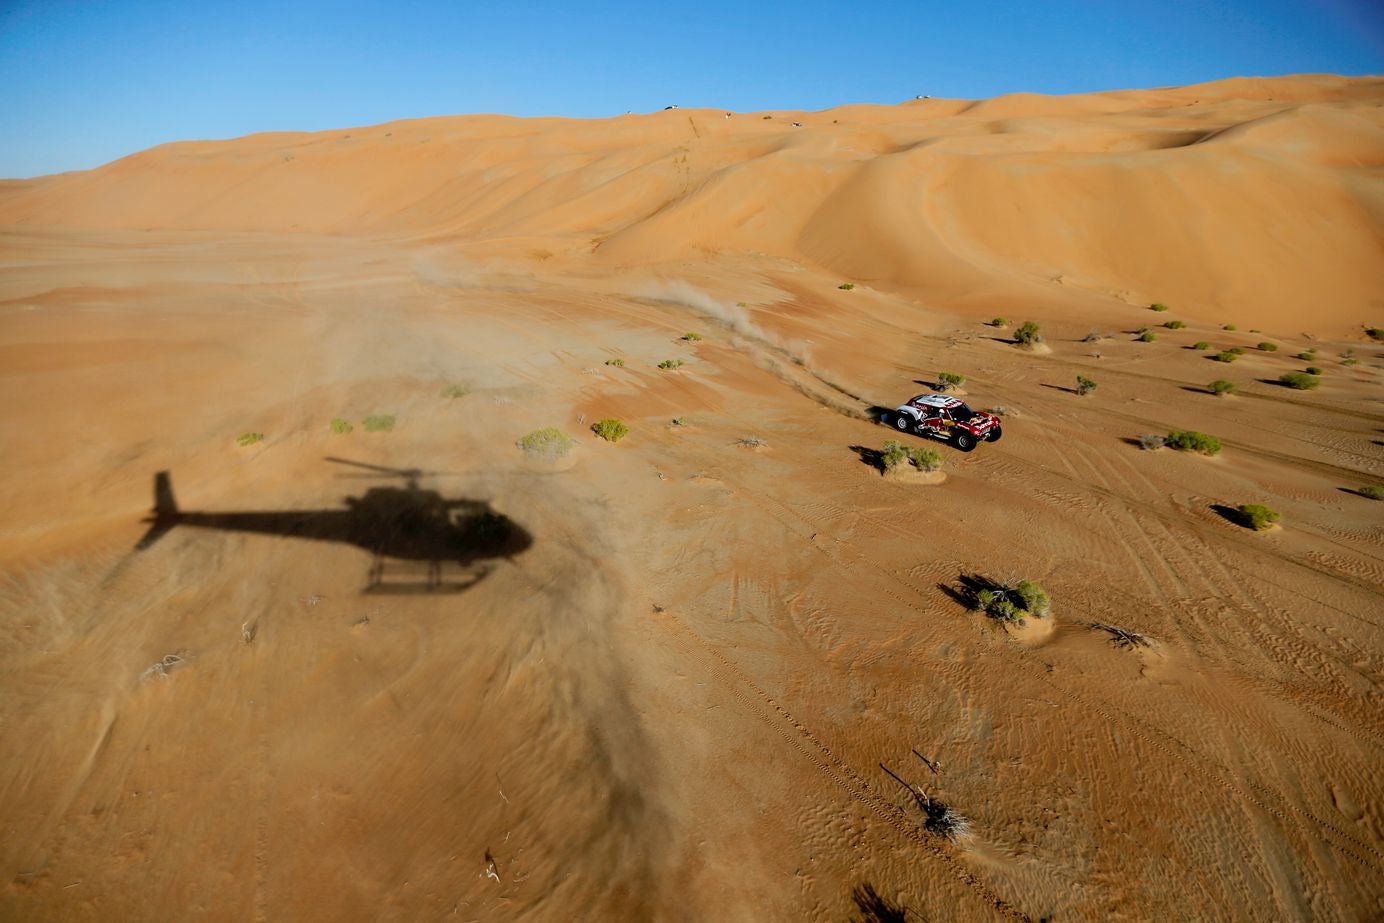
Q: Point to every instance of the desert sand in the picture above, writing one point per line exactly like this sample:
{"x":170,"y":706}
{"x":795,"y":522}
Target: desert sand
{"x":682,"y":692}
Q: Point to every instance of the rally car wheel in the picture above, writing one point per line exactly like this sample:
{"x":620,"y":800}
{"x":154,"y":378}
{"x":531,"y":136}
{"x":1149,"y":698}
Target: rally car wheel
{"x":994,"y":434}
{"x":902,"y":422}
{"x":964,"y":441}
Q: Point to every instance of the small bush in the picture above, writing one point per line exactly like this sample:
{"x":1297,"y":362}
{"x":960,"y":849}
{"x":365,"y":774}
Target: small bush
{"x":1301,"y":381}
{"x":1375,"y":333}
{"x":1175,"y":324}
{"x":1151,"y":441}
{"x":1201,"y":344}
{"x":1267,"y":347}
{"x":618,"y":363}
{"x":245,"y":439}
{"x":1312,"y":370}
{"x":340,"y":427}
{"x":1094,"y":336}
{"x":1084,"y":385}
{"x":999,"y":322}
{"x":378,"y":423}
{"x":691,"y":336}
{"x":926,"y":459}
{"x":1188,"y":440}
{"x":550,"y":442}
{"x":1148,"y":336}
{"x":1236,"y":350}
{"x":1027,"y":334}
{"x":1349,"y":360}
{"x":1257,"y":517}
{"x":1373,"y":491}
{"x":1158,"y":306}
{"x":1307,"y":355}
{"x":1230,"y":327}
{"x":947,"y":381}
{"x":610,"y":429}
{"x":455,"y":390}
{"x":846,"y":286}
{"x":1220,"y":387}
{"x":679,"y":421}
{"x":1227,"y":356}
{"x":894,"y":454}
{"x":1142,"y":330}
{"x":670,"y":364}
{"x":1013,"y":602}
{"x":1034,"y":598}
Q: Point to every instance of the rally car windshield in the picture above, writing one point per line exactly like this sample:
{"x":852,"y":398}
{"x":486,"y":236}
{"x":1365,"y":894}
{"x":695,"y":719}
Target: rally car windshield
{"x":961,"y":413}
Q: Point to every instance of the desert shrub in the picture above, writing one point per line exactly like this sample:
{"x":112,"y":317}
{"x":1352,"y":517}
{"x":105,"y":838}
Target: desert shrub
{"x":1300,"y":380}
{"x":670,"y":364}
{"x":1375,"y":333}
{"x":455,"y":390}
{"x":1148,"y":336}
{"x":679,"y":421}
{"x":894,"y":454}
{"x":1158,"y":306}
{"x":1084,"y":385}
{"x":610,"y":429}
{"x":998,"y":605}
{"x":1034,"y":599}
{"x":846,"y":286}
{"x":1373,"y":491}
{"x":1175,"y":324}
{"x":1013,"y":602}
{"x":618,"y":363}
{"x":1230,"y":327}
{"x":1191,"y":441}
{"x":550,"y":442}
{"x":1236,"y":350}
{"x":1151,"y":441}
{"x":1201,"y":344}
{"x":1027,"y":334}
{"x":1142,"y":330}
{"x":1257,"y":517}
{"x":1220,"y":387}
{"x":245,"y":439}
{"x":1312,"y":370}
{"x":999,"y":322}
{"x":1307,"y":355}
{"x":1267,"y":347}
{"x":378,"y":423}
{"x":946,"y":381}
{"x":1227,"y":356}
{"x":1094,"y":336}
{"x":340,"y":427}
{"x":692,"y":336}
{"x":925,"y":458}
{"x":1349,"y":360}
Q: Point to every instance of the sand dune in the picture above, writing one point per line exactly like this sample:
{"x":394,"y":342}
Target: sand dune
{"x":323,"y":690}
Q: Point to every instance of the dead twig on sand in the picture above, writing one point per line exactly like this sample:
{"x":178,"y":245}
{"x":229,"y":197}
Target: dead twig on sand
{"x":491,"y":870}
{"x":247,"y":631}
{"x":935,"y":767}
{"x":938,"y":817}
{"x":1122,"y":637}
{"x":162,"y":666}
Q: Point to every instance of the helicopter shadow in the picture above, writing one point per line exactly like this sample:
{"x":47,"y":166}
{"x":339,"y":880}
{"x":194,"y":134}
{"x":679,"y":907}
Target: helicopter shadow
{"x":420,"y":540}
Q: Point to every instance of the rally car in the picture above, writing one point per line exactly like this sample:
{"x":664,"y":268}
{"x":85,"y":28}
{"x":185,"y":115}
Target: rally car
{"x":948,"y":419}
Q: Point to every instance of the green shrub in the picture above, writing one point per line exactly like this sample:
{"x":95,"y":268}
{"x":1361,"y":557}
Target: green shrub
{"x":1227,"y":356}
{"x":1236,"y":350}
{"x":1307,"y":355}
{"x":378,"y":423}
{"x":692,"y":336}
{"x":894,"y":454}
{"x":679,"y":421}
{"x":1191,"y":441}
{"x":1027,"y":334}
{"x":1300,"y":380}
{"x":670,"y":364}
{"x":610,"y":429}
{"x":1175,"y":324}
{"x":1084,"y":385}
{"x":245,"y":439}
{"x":1349,"y":360}
{"x":1220,"y":387}
{"x":1148,"y":336}
{"x":1375,"y":333}
{"x":1158,"y":306}
{"x":1034,"y":598}
{"x":618,"y":363}
{"x":947,"y":381}
{"x":846,"y":286}
{"x":549,"y":442}
{"x":1257,"y":517}
{"x":456,"y":390}
{"x":925,"y":458}
{"x":1230,"y":327}
{"x":1201,"y":344}
{"x":1013,"y":603}
{"x":1268,"y":347}
{"x":999,"y":322}
{"x":1312,"y":370}
{"x":341,"y":427}
{"x":1373,"y":491}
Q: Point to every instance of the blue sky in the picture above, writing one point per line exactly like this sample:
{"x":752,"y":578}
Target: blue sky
{"x":82,"y":83}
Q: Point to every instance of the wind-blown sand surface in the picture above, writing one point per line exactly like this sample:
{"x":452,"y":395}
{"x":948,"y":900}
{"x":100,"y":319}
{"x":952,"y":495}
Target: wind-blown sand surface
{"x":676,"y":698}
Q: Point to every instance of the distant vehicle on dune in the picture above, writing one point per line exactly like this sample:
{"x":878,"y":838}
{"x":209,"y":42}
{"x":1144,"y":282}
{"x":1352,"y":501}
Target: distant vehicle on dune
{"x":946,"y":418}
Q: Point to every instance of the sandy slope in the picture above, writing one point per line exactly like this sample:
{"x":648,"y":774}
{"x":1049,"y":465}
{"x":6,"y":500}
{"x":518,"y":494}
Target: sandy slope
{"x":676,"y":703}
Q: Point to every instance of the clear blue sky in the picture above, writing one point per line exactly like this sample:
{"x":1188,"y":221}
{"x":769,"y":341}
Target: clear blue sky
{"x":83,"y":82}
